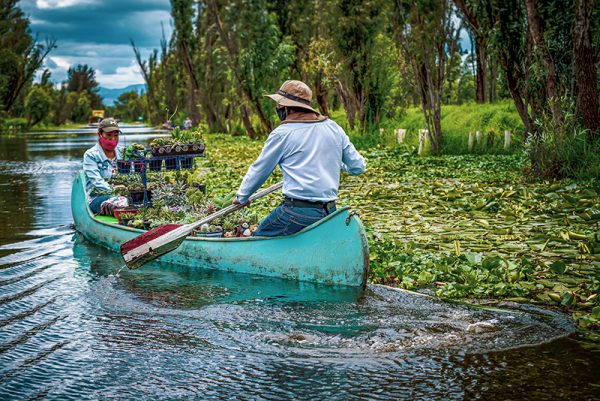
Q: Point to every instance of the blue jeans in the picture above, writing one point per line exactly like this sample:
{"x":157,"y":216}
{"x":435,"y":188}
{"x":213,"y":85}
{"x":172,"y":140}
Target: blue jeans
{"x":286,"y":220}
{"x":97,"y":202}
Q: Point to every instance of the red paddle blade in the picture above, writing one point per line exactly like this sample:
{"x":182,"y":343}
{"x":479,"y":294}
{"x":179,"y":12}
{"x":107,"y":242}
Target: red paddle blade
{"x":142,"y":249}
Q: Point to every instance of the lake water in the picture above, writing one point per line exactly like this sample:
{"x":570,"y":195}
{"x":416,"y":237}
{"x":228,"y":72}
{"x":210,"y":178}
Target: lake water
{"x":73,"y":325}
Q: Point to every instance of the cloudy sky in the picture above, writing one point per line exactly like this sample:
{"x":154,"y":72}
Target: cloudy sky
{"x":97,"y":33}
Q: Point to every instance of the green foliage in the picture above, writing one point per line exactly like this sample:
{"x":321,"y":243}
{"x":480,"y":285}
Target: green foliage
{"x":78,"y":106}
{"x":82,"y":79}
{"x":13,"y":125}
{"x":129,"y":106}
{"x":186,"y":136}
{"x":37,"y":104}
{"x":20,"y":55}
{"x":365,"y":71}
{"x":562,"y":149}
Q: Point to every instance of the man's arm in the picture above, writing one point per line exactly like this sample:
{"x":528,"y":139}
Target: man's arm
{"x":90,"y":167}
{"x":262,"y":168}
{"x":352,"y":161}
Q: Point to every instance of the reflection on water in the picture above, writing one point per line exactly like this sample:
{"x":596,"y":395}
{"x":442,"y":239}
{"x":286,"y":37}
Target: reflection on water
{"x":73,"y":324}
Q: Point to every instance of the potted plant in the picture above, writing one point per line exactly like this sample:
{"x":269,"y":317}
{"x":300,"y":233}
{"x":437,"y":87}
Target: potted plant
{"x":118,"y":212}
{"x":136,"y":190}
{"x":126,"y":217}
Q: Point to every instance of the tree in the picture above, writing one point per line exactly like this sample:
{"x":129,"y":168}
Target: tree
{"x":428,"y":38}
{"x":258,"y":57}
{"x":83,"y":78}
{"x":363,"y":85}
{"x":129,"y":106}
{"x":38,"y":104}
{"x":150,"y":72}
{"x":472,"y":12}
{"x":586,"y":60}
{"x":20,"y":54}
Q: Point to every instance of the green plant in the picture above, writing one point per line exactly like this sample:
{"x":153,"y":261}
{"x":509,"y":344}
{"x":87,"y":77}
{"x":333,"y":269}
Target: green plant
{"x":134,"y":151}
{"x":562,"y":149}
{"x":186,"y":136}
{"x":162,"y":141}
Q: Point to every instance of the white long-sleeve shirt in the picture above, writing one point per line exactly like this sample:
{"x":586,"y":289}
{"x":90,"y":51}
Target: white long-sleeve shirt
{"x":310,"y":155}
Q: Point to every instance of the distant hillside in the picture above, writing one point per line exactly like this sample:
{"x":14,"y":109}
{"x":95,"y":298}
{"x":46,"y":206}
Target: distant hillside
{"x":110,"y":95}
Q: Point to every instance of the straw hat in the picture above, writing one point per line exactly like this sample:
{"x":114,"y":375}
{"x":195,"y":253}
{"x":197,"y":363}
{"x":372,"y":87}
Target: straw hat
{"x":293,"y":94}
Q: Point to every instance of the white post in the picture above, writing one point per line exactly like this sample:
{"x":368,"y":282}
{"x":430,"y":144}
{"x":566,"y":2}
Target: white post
{"x":423,"y":138}
{"x":478,"y":135}
{"x":506,"y":140}
{"x":400,"y":135}
{"x":471,"y":140}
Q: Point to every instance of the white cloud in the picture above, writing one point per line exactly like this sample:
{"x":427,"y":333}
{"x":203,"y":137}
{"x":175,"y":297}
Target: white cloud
{"x":48,"y":4}
{"x":61,"y":62}
{"x":124,"y":76}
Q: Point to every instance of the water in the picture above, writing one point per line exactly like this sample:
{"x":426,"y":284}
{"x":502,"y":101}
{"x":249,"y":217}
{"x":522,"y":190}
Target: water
{"x":75,"y":325}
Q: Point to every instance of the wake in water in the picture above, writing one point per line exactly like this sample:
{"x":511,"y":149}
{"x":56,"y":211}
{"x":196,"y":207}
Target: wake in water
{"x":71,"y":313}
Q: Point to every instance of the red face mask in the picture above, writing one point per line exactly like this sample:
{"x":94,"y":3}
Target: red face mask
{"x":108,"y":144}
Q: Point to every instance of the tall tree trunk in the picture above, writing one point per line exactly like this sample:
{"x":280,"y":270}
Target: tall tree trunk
{"x":480,"y":53}
{"x":586,"y":72}
{"x":247,"y":123}
{"x":480,"y":94}
{"x":492,"y":82}
{"x":519,"y":104}
{"x":538,"y":40}
{"x":347,"y":102}
{"x":321,"y":94}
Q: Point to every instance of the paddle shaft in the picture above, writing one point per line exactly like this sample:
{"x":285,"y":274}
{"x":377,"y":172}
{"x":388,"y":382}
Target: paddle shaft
{"x":232,"y":208}
{"x":154,"y":243}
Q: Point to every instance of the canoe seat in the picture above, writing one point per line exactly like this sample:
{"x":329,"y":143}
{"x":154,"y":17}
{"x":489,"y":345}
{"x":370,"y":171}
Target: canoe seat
{"x":107,"y":219}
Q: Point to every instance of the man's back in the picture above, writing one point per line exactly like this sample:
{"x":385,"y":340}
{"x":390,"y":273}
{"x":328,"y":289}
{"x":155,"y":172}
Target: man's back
{"x":312,"y":158}
{"x":310,"y":155}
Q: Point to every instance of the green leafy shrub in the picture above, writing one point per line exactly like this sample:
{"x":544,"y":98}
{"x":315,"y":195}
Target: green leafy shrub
{"x":562,"y":149}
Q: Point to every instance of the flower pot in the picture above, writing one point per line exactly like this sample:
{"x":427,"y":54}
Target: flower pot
{"x":156,"y":165}
{"x":171,"y":163}
{"x":186,"y":163}
{"x":120,"y":210}
{"x":125,"y":222}
{"x":137,"y":197}
{"x":124,"y":167}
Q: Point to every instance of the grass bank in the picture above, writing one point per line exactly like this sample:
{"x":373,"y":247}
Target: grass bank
{"x":457,"y":121}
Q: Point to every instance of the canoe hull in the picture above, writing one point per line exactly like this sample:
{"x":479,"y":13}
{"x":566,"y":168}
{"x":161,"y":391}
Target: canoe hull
{"x":332,"y":251}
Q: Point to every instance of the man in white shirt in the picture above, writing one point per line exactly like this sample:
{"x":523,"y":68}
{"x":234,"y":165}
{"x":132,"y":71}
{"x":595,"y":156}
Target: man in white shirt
{"x":310,"y":150}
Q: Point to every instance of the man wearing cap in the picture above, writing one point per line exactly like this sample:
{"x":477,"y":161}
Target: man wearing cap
{"x":99,"y":164}
{"x":310,"y":150}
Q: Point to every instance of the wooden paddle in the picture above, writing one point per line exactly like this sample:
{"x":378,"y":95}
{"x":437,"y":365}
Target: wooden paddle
{"x":163,"y":239}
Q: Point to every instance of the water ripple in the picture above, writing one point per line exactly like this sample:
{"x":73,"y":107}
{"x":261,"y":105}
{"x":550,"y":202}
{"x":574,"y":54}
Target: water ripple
{"x":74,"y":329}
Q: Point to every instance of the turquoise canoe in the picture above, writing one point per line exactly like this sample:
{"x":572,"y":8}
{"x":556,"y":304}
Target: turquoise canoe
{"x":332,"y":251}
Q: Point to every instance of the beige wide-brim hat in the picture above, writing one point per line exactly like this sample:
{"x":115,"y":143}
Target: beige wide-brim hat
{"x":294,"y":94}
